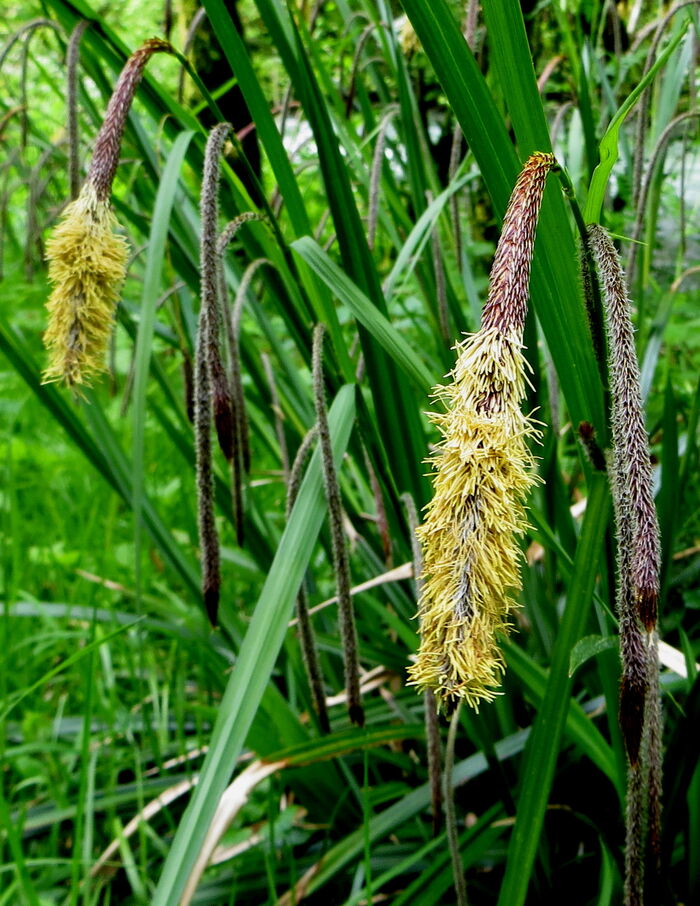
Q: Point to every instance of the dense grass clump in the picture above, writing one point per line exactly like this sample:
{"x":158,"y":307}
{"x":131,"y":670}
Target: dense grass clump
{"x":234,"y":599}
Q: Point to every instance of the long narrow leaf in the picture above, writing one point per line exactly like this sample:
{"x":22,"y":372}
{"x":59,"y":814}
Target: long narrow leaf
{"x":543,"y":746}
{"x":555,"y":284}
{"x":256,"y":660}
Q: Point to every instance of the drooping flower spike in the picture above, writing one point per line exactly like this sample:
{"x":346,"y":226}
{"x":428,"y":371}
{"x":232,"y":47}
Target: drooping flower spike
{"x":638,"y":557}
{"x":87,"y":259}
{"x":483,"y":470}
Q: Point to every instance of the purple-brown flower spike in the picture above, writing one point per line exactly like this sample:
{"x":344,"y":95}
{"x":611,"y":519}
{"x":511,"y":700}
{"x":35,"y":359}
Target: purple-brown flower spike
{"x":87,"y":260}
{"x":483,"y":470}
{"x":509,"y":283}
{"x":631,"y":445}
{"x":638,"y":572}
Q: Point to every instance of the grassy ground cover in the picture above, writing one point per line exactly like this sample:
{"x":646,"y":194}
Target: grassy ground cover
{"x":151,"y":758}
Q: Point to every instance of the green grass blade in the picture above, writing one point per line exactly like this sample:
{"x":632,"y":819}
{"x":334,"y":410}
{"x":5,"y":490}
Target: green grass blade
{"x":555,"y":283}
{"x":609,"y":145}
{"x":543,"y":746}
{"x":152,"y":278}
{"x":344,"y":741}
{"x":395,"y":815}
{"x":365,"y":312}
{"x":437,"y":879}
{"x":579,"y":728}
{"x":256,"y":659}
{"x":516,"y":75}
{"x":29,"y":895}
{"x":63,"y":666}
{"x":99,"y":446}
{"x":270,"y":138}
{"x":259,"y":107}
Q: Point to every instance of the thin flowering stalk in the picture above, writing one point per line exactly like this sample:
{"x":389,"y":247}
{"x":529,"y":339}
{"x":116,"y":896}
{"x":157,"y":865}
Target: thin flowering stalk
{"x":629,"y":433}
{"x":37,"y":183}
{"x":87,"y":260}
{"x":633,"y":651}
{"x":432,"y":738}
{"x":192,"y":29}
{"x":7,"y":190}
{"x":208,"y":369}
{"x":188,"y":384}
{"x":240,"y":458}
{"x":594,"y":454}
{"x":375,"y":174}
{"x":471,"y":24}
{"x":483,"y":469}
{"x":634,"y":838}
{"x":471,"y":20}
{"x":341,"y":563}
{"x":296,"y":473}
{"x":455,"y":158}
{"x":24,"y":70}
{"x":27,"y":32}
{"x":27,"y":29}
{"x":450,"y":811}
{"x":278,"y":413}
{"x":238,"y":452}
{"x":222,"y":403}
{"x":645,"y":100}
{"x":440,"y":288}
{"x":381,"y":517}
{"x":307,"y":639}
{"x":6,"y":118}
{"x":206,"y":523}
{"x":229,"y":232}
{"x":72,"y":59}
{"x":638,"y":573}
{"x":357,"y":58}
{"x":653,"y":719}
{"x":236,"y":370}
{"x":432,"y":727}
{"x":641,"y":216}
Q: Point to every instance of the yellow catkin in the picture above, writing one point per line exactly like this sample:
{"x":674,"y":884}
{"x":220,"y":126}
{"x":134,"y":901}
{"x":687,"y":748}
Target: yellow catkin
{"x":87,"y":265}
{"x":87,"y":259}
{"x":483,"y":469}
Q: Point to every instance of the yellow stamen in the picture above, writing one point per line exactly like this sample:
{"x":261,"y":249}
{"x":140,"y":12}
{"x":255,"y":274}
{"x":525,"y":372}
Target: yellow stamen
{"x":87,"y":265}
{"x":483,"y":470}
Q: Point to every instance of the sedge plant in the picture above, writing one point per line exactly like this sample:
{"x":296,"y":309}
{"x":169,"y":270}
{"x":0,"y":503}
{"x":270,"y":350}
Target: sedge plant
{"x":384,"y":172}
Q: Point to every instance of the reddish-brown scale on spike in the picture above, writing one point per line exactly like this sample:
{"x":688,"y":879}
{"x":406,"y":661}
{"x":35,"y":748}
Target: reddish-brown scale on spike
{"x":106,"y":154}
{"x":629,"y":433}
{"x":506,"y":305}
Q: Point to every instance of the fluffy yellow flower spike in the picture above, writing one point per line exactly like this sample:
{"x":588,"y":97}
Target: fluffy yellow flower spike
{"x":87,"y":260}
{"x":483,"y":470}
{"x":87,"y":264}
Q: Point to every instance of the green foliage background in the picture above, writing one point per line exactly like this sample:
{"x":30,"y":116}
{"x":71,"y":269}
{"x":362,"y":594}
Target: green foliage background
{"x":114,"y":688}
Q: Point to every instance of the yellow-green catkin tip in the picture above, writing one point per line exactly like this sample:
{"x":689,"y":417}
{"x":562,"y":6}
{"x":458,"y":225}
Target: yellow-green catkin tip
{"x":483,"y":470}
{"x":87,"y":265}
